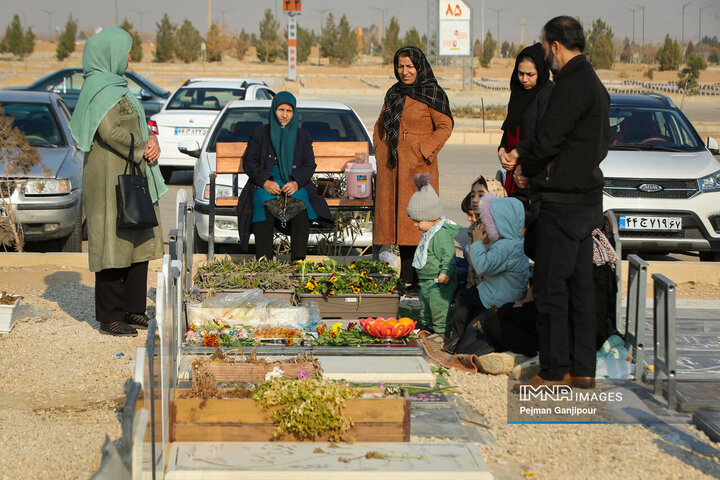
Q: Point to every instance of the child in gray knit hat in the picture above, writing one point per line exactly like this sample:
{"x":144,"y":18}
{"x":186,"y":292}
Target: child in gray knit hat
{"x":434,"y":257}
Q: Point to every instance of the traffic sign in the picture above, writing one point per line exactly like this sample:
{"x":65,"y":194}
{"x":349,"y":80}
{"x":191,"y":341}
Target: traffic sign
{"x":291,"y":6}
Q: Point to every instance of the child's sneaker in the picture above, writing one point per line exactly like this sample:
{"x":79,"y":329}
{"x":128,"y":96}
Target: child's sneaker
{"x":527,"y":369}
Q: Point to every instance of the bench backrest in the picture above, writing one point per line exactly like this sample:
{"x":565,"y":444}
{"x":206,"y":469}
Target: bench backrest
{"x":330,"y":157}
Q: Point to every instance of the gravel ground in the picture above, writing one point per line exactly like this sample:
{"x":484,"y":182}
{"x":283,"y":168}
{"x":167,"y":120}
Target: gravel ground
{"x":62,"y":387}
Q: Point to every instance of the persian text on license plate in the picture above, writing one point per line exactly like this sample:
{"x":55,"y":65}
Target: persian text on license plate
{"x":636,"y":222}
{"x":190,"y":131}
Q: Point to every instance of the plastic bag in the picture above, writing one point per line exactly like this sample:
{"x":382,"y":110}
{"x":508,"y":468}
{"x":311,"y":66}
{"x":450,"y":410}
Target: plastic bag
{"x":247,"y":309}
{"x":390,"y":258}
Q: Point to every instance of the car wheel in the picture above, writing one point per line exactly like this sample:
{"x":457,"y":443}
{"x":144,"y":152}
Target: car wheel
{"x":73,"y":242}
{"x":166,"y":173}
{"x":710,"y":256}
{"x":199,"y":245}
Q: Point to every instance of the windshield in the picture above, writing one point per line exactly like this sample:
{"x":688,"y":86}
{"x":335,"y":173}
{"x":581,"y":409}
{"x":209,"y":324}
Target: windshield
{"x":37,"y":122}
{"x":323,"y":124}
{"x":648,"y":128}
{"x":159,"y":91}
{"x":192,"y":98}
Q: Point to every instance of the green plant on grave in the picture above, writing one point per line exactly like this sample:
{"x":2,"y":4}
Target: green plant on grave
{"x":223,"y":273}
{"x":308,"y":408}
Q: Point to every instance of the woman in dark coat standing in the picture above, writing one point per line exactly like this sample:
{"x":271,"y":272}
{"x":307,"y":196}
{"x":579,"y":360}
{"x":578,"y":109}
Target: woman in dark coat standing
{"x":530,"y":89}
{"x":414,"y":124}
{"x":280,"y":163}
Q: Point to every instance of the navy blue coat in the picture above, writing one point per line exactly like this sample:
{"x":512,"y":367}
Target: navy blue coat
{"x":258,"y":162}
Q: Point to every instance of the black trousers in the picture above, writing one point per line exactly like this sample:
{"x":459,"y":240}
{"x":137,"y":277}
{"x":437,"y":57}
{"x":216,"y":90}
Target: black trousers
{"x":299,"y":234}
{"x":120,"y":290}
{"x":466,"y":335}
{"x":563,"y":289}
{"x":407,"y":271}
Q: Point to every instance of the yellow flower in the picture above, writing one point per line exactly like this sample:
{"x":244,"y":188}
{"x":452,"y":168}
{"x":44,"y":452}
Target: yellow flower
{"x":352,"y":266}
{"x":310,"y":285}
{"x":331,"y":292}
{"x":321,"y":267}
{"x":337,"y":327}
{"x":333,"y":278}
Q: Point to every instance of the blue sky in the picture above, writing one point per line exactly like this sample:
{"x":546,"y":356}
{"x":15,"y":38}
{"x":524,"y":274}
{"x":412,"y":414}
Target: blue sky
{"x":661,"y":16}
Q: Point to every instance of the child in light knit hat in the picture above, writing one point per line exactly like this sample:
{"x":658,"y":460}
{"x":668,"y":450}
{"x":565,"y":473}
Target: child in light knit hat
{"x":434,"y":256}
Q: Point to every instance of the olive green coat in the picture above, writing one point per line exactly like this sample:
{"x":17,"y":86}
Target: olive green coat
{"x":108,"y":247}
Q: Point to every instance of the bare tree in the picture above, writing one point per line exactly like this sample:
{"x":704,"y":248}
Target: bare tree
{"x":17,"y":158}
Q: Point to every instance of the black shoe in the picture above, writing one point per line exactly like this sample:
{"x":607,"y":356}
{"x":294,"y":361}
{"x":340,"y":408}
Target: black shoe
{"x":118,"y":328}
{"x":137,"y":320}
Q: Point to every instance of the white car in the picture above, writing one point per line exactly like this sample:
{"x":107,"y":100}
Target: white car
{"x":190,"y":111}
{"x":661,"y":181}
{"x":325,"y":121}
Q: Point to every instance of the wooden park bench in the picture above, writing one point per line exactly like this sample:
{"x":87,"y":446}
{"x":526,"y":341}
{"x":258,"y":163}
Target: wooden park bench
{"x":330,"y":158}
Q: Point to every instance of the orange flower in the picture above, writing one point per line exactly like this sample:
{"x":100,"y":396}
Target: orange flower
{"x":210,"y":341}
{"x":332,"y":334}
{"x":289,"y":341}
{"x":321,"y":329}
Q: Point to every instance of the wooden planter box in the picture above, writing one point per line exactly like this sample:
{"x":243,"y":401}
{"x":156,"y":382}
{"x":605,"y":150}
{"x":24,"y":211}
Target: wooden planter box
{"x":242,"y":420}
{"x":286,"y":295}
{"x":254,"y":372}
{"x":350,"y":306}
{"x":9,"y":315}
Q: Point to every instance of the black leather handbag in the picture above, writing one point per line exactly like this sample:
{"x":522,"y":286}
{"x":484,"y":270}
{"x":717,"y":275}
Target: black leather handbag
{"x":134,"y":205}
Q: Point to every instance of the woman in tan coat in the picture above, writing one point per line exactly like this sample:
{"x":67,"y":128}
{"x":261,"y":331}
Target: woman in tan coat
{"x":414,"y":124}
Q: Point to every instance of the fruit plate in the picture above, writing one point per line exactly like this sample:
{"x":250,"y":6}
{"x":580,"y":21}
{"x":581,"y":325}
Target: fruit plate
{"x":388,"y":329}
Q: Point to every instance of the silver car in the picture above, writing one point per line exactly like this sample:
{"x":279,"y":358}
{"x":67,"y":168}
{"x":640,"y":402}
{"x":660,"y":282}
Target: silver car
{"x":46,"y":200}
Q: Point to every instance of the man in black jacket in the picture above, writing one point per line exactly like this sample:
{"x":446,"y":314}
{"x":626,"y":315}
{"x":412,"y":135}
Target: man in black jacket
{"x":561,"y":165}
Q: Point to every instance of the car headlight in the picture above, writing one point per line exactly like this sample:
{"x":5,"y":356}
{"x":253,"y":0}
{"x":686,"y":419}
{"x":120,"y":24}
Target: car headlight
{"x":47,"y":186}
{"x":220,"y":191}
{"x":711,"y":183}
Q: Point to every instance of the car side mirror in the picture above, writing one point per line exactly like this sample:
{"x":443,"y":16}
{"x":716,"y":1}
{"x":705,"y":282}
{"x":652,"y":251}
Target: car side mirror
{"x":189,"y":147}
{"x":712,"y":145}
{"x":145,"y":95}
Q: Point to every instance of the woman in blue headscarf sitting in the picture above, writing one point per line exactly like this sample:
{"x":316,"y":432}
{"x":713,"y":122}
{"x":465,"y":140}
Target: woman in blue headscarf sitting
{"x":280,"y":163}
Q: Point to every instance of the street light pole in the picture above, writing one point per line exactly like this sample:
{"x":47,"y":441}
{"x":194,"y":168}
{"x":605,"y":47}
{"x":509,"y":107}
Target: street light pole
{"x":642,"y":7}
{"x":682,"y":37}
{"x":141,"y":13}
{"x":382,"y":27}
{"x":633,"y":10}
{"x":223,"y":12}
{"x":700,"y":22}
{"x":49,"y":12}
{"x":498,"y":10}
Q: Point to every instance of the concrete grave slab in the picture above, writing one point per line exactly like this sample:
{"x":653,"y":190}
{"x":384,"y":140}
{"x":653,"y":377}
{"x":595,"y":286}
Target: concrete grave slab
{"x":320,"y":461}
{"x":377,"y":369}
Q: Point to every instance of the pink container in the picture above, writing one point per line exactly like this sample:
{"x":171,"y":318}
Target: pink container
{"x":358,"y":175}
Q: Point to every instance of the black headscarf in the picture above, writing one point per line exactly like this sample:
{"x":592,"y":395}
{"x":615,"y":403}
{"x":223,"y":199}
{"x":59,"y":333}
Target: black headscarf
{"x":519,"y":97}
{"x":425,"y":90}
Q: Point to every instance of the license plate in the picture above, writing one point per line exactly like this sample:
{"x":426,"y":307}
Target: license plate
{"x":190,"y":131}
{"x":637,"y":222}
